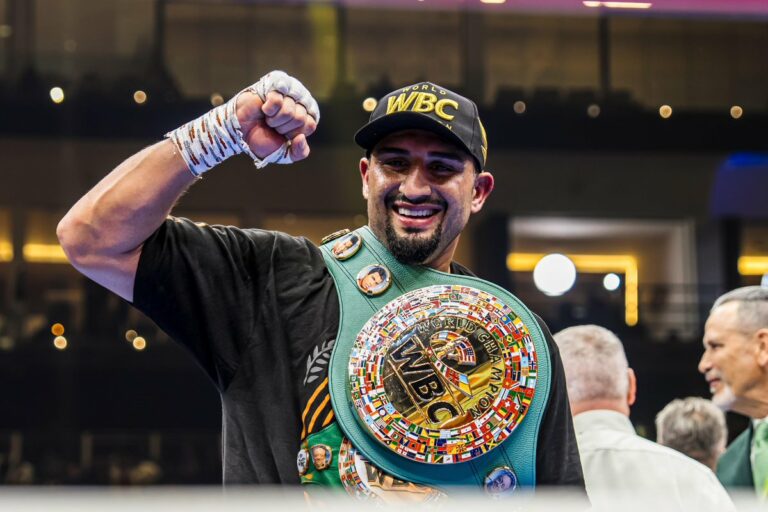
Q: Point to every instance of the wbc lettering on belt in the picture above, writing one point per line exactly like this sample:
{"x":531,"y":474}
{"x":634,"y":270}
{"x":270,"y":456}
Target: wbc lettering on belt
{"x":442,"y":374}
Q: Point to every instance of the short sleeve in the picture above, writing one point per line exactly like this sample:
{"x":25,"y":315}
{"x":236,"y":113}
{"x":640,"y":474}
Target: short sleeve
{"x":201,"y":285}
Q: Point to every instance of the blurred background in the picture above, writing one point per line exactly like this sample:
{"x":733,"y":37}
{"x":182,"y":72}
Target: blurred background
{"x":629,"y":137}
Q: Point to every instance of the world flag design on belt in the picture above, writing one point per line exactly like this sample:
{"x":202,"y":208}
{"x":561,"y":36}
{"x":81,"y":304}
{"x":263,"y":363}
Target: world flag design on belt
{"x":365,"y":481}
{"x":443,"y":374}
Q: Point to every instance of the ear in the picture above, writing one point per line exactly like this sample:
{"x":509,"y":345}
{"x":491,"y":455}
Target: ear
{"x":761,"y":337}
{"x":364,"y":167}
{"x":632,"y":388}
{"x":483,"y":188}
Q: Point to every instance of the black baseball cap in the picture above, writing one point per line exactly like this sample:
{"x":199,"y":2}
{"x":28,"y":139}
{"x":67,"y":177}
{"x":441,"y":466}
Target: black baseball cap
{"x":430,"y":107}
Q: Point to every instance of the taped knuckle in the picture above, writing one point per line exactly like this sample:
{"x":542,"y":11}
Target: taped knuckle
{"x":280,"y":82}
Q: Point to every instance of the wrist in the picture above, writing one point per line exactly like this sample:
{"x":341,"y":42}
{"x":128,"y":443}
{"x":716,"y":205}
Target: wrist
{"x":208,"y":140}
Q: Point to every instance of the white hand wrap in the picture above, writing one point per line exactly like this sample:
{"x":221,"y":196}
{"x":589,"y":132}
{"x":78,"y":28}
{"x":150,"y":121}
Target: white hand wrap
{"x":215,"y":136}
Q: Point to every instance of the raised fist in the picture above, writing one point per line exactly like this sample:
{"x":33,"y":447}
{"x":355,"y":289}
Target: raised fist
{"x":276,"y":109}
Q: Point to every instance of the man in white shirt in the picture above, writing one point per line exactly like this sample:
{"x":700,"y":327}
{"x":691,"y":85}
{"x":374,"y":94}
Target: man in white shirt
{"x":618,"y":464}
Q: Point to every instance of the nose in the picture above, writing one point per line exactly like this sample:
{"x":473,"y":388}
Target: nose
{"x":416,"y":186}
{"x":704,"y":364}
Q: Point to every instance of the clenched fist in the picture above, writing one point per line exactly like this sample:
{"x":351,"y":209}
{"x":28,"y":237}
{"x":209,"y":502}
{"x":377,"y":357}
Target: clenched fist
{"x":276,"y":109}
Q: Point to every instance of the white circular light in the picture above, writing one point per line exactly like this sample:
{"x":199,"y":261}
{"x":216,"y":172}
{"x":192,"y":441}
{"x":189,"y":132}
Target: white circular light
{"x":57,"y":94}
{"x":519,"y":107}
{"x":60,"y":342}
{"x":611,"y":282}
{"x":554,"y":274}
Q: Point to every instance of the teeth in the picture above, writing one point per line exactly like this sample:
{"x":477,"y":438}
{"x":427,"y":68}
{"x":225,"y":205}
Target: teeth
{"x":414,"y":213}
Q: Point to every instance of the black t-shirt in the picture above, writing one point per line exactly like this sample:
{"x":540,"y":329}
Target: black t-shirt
{"x":259,"y":312}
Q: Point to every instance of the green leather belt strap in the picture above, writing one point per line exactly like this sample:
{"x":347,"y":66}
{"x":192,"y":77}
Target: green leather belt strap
{"x":517,"y":452}
{"x":331,"y":437}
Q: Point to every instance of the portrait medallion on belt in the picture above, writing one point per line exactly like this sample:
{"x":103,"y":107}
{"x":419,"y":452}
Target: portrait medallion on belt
{"x":374,"y":280}
{"x":443,"y":374}
{"x":346,"y":246}
{"x":321,"y":456}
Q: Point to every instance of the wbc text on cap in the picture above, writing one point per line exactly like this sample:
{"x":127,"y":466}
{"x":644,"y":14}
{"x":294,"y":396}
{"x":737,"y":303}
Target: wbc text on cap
{"x":430,"y":107}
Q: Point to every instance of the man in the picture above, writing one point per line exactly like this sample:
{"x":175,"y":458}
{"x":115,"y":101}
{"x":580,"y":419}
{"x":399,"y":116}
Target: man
{"x":374,"y":278}
{"x":735,"y":364}
{"x":279,"y":323}
{"x":693,"y":426}
{"x":618,"y":464}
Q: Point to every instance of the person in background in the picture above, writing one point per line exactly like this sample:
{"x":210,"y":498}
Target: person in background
{"x":617,"y":463}
{"x":693,"y":426}
{"x":735,"y":364}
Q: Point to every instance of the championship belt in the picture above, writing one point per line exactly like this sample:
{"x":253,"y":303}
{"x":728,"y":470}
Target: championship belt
{"x":431,"y":376}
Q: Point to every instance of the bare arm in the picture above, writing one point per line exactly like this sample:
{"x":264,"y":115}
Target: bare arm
{"x":104,"y":231}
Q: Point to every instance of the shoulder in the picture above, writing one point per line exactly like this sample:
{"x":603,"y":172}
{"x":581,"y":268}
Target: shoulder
{"x":739,"y":447}
{"x":188,"y":231}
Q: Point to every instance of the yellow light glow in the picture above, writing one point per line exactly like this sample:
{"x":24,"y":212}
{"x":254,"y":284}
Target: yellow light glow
{"x":753,"y":265}
{"x":369,"y":104}
{"x":60,"y":342}
{"x":44,"y":253}
{"x":57,"y":94}
{"x":130,"y":335}
{"x":140,"y":97}
{"x":665,"y":111}
{"x":139,"y":343}
{"x":57,"y":329}
{"x":217,"y":99}
{"x":6,"y":251}
{"x":593,"y":264}
{"x":628,"y":5}
{"x":736,"y":111}
{"x":618,"y":5}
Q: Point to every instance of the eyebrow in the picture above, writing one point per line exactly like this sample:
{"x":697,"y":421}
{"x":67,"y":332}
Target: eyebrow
{"x":444,"y":155}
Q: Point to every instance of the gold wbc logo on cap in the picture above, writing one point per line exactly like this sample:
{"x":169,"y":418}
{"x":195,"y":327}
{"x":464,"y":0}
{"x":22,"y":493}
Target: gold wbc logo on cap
{"x":422,"y":102}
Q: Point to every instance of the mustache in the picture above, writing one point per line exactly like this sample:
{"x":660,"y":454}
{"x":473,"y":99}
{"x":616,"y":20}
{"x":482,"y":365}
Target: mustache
{"x":397,"y":196}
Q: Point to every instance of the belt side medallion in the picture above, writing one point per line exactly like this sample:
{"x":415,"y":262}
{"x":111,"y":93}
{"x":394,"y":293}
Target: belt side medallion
{"x":443,"y":374}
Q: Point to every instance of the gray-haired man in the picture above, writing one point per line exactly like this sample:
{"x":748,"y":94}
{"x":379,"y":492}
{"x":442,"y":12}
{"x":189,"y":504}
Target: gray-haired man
{"x":735,"y":364}
{"x":618,"y":464}
{"x":693,"y":426}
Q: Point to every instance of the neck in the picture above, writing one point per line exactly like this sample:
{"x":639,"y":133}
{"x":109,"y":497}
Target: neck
{"x":442,"y":261}
{"x":754,"y":405}
{"x":600,"y":404}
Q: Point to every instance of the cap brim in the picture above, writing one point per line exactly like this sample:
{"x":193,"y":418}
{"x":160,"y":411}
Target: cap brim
{"x":369,"y":135}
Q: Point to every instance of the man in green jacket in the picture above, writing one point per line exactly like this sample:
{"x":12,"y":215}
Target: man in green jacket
{"x":735,"y":364}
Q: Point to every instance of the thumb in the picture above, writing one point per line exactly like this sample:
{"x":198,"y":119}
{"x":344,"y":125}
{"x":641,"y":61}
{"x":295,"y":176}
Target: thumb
{"x":299,"y":148}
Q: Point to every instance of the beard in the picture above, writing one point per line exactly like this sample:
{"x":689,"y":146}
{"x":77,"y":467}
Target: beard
{"x":724,"y":399}
{"x":411,"y":250}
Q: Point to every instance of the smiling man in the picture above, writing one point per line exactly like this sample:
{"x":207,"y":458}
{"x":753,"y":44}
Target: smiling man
{"x":311,"y":347}
{"x":735,"y":364}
